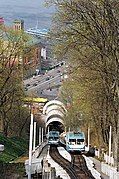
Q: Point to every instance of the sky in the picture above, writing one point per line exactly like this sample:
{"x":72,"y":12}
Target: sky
{"x":32,"y":12}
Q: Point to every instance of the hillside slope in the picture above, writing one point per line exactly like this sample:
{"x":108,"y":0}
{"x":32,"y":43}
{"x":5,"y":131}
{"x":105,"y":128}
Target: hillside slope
{"x":14,"y":147}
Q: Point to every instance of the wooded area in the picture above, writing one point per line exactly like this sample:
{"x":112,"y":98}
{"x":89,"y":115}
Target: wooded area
{"x":13,"y":115}
{"x":86,"y":34}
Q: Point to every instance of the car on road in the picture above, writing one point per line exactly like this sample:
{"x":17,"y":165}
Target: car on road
{"x":26,"y":89}
{"x":27,"y":85}
{"x":34,"y":76}
{"x":35,"y":84}
{"x":47,"y":78}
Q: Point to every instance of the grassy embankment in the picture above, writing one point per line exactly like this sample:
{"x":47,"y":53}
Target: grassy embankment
{"x":13,"y":148}
{"x":11,"y":164}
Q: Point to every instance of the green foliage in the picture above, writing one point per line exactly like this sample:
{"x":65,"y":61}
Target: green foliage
{"x":14,"y":147}
{"x":85,"y":33}
{"x":13,"y":45}
{"x":11,"y":170}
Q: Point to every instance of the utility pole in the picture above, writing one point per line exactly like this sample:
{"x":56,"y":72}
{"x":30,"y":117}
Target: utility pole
{"x":42,"y":134}
{"x":88,"y":138}
{"x":39,"y":135}
{"x":110,"y":141}
{"x":118,"y":145}
{"x":30,"y":146}
{"x":34,"y":137}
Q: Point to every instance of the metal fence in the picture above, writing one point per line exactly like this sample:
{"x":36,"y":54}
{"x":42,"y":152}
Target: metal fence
{"x":109,"y":171}
{"x":107,"y":166}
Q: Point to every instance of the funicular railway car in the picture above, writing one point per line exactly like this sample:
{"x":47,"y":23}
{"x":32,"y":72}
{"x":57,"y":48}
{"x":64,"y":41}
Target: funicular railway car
{"x":75,"y":142}
{"x":53,"y":138}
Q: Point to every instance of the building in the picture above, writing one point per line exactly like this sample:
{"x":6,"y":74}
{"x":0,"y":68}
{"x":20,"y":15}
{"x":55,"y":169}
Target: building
{"x":1,"y":21}
{"x":32,"y":57}
{"x":43,"y":53}
{"x":18,"y":25}
{"x":31,"y":60}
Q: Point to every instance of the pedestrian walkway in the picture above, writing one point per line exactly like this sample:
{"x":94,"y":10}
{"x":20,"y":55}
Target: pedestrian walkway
{"x":89,"y":162}
{"x":59,"y":170}
{"x":97,"y":164}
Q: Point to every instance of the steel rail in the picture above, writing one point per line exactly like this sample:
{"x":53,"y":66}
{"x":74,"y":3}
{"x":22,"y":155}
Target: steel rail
{"x":81,"y":167}
{"x":65,"y":164}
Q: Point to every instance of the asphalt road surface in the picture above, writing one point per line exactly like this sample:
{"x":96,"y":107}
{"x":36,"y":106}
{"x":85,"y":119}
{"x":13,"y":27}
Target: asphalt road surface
{"x":46,"y":85}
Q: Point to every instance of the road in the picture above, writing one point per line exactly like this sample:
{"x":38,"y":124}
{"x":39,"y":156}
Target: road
{"x":45,"y":85}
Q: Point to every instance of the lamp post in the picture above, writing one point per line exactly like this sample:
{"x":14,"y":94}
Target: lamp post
{"x":30,"y":145}
{"x":34,"y":137}
{"x":110,"y":136}
{"x":39,"y":135}
{"x":42,"y":135}
{"x":88,"y":138}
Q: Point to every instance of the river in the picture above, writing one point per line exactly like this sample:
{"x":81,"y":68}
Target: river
{"x":33,"y":12}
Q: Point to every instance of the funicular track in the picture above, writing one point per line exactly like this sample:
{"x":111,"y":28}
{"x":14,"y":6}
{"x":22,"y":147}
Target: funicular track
{"x":65,"y":164}
{"x":77,"y":170}
{"x":81,"y":167}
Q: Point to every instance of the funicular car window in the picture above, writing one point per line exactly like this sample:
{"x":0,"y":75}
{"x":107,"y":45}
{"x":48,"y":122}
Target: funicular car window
{"x":55,"y":138}
{"x":72,"y":141}
{"x":79,"y":141}
{"x":50,"y":138}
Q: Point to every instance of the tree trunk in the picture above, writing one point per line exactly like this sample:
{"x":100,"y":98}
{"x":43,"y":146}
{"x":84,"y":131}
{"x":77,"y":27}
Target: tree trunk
{"x":22,"y":127}
{"x":5,"y":128}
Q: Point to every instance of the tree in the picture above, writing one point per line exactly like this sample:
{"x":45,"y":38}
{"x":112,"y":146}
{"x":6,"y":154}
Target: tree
{"x":12,"y":45}
{"x":86,"y":33}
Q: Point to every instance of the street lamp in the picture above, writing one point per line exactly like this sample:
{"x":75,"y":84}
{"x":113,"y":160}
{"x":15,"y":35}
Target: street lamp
{"x":30,"y":145}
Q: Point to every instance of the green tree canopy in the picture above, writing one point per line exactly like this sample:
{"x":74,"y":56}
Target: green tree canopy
{"x":12,"y":49}
{"x":86,"y":34}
